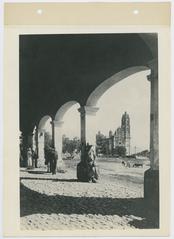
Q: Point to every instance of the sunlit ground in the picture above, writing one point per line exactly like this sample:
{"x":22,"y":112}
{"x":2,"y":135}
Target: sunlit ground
{"x":60,"y":202}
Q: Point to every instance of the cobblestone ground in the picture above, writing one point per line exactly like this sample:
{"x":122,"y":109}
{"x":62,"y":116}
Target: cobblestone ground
{"x":60,"y":202}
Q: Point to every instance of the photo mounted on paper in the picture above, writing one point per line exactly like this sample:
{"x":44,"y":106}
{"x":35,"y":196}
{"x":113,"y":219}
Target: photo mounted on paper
{"x":89,"y":156}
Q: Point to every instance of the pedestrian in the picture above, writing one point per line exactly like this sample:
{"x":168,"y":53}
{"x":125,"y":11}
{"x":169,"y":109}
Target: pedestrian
{"x":29,"y":158}
{"x":47,"y":155}
{"x":34,"y":159}
{"x":54,"y":160}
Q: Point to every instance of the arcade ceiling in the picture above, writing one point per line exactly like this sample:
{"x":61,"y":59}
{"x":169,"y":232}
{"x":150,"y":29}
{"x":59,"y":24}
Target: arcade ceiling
{"x":55,"y":69}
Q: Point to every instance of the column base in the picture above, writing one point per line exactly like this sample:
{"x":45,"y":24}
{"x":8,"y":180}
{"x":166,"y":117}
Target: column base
{"x":151,"y":188}
{"x":61,"y":167}
{"x":86,"y":174}
{"x":82,"y":172}
{"x":40,"y":163}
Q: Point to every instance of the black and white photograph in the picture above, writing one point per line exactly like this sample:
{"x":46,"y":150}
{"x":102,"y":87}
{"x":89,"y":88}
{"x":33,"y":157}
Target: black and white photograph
{"x":88,"y":123}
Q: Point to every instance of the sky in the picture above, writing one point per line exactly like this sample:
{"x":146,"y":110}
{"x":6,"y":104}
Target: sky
{"x":132,"y":94}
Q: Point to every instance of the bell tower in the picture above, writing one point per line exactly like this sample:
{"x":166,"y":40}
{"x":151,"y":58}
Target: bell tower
{"x":125,"y":128}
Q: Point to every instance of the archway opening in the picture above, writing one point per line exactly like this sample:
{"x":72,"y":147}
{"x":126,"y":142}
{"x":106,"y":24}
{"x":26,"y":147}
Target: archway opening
{"x":122,"y":127}
{"x":44,"y":138}
{"x":67,"y":135}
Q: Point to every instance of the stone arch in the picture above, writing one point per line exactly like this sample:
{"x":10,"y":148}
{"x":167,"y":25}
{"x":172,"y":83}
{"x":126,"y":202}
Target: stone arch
{"x":91,"y":103}
{"x":63,"y":109}
{"x":58,"y":130}
{"x":42,"y":122}
{"x":108,"y":83}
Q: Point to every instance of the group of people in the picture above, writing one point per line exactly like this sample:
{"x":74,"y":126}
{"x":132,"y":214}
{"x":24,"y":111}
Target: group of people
{"x":31,"y":158}
{"x":88,"y":165}
{"x":51,"y":158}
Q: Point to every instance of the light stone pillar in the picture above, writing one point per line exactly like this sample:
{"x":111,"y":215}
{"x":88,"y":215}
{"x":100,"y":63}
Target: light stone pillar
{"x":31,"y":145}
{"x":36,"y":149}
{"x":91,"y":125}
{"x":88,"y":123}
{"x":53,"y":133}
{"x":41,"y":145}
{"x":82,"y":131}
{"x":35,"y":140}
{"x":88,"y":136}
{"x":57,"y":142}
{"x":151,"y":176}
{"x":154,"y":147}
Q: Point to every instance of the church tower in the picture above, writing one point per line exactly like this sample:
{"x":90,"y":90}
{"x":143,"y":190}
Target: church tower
{"x":125,"y":129}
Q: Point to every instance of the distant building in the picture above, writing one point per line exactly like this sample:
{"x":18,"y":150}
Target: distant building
{"x":125,"y":129}
{"x":121,"y":137}
{"x":102,"y":143}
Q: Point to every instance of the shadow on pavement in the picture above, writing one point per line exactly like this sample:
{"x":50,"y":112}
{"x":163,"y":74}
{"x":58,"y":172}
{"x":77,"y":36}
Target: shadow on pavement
{"x":50,"y":179}
{"x":32,"y":202}
{"x":130,"y":178}
{"x":37,"y":172}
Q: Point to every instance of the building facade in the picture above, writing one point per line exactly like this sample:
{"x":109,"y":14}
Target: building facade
{"x":120,"y":138}
{"x":125,"y":132}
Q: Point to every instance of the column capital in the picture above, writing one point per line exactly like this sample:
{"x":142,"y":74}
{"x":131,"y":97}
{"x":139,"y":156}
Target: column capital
{"x":57,"y":123}
{"x":88,"y":110}
{"x":153,"y":65}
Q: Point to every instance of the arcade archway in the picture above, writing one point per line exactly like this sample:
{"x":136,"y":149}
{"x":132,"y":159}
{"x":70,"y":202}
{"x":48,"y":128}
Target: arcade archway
{"x":91,"y":108}
{"x":152,"y":175}
{"x":44,"y":135}
{"x":59,"y":128}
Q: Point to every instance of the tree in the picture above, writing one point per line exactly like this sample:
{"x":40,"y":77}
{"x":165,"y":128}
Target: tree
{"x":71,"y":145}
{"x":101,"y":144}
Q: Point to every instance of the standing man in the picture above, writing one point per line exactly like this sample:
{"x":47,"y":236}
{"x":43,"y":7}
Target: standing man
{"x":34,"y":159}
{"x":54,"y":160}
{"x":48,"y":156}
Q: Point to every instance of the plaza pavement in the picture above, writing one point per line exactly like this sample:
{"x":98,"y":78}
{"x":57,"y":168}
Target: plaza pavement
{"x":55,"y":202}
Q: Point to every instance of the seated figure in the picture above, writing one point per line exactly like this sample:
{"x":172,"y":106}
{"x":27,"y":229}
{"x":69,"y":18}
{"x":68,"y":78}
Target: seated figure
{"x":86,"y":169}
{"x":90,"y":159}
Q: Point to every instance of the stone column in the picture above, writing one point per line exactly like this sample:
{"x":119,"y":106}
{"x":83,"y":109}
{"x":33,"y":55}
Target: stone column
{"x":82,"y":131}
{"x":41,"y":145}
{"x":35,"y":140}
{"x":36,"y":136}
{"x":151,"y":177}
{"x":31,"y":145}
{"x":30,"y":140}
{"x":24,"y":148}
{"x":57,"y":142}
{"x":88,"y":136}
{"x":53,"y":133}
